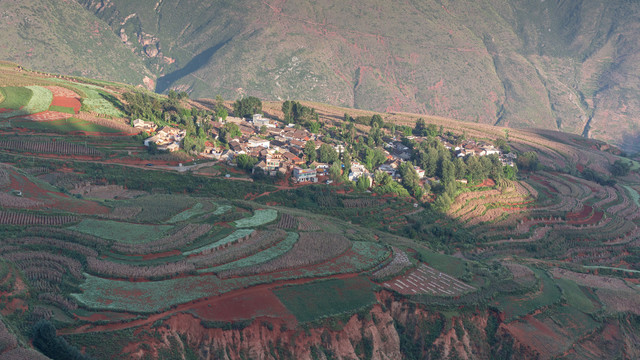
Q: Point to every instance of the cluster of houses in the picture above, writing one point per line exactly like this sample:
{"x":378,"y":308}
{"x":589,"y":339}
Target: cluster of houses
{"x":284,"y":153}
{"x":167,"y":138}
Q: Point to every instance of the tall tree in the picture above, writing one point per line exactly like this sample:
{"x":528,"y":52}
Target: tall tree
{"x":247,"y":106}
{"x":310,"y":151}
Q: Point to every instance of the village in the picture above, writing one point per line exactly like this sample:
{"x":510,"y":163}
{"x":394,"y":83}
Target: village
{"x":280,"y":149}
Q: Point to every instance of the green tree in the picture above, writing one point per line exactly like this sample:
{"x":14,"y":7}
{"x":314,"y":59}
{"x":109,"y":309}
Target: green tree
{"x":246,"y":162}
{"x":335,"y":171}
{"x":346,"y":160}
{"x":420,"y":127}
{"x":363,"y":183}
{"x":410,"y":180}
{"x":229,"y":131}
{"x":328,"y":154}
{"x":310,"y":151}
{"x":377,"y":120}
{"x":528,"y":161}
{"x":620,"y":168}
{"x":510,"y":172}
{"x":314,"y":126}
{"x":247,"y":106}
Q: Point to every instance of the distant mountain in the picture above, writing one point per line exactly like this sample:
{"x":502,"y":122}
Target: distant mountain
{"x":61,"y":36}
{"x":553,"y":64}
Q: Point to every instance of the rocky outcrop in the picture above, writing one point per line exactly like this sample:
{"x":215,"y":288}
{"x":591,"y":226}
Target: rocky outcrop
{"x":393,"y":329}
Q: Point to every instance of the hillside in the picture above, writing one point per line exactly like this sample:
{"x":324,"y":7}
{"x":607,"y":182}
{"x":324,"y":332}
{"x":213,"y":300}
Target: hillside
{"x":553,"y":65}
{"x":61,"y":37}
{"x":111,"y":250}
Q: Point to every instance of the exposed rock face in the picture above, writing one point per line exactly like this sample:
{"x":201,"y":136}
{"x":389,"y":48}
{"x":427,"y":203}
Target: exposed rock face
{"x":394,"y":330}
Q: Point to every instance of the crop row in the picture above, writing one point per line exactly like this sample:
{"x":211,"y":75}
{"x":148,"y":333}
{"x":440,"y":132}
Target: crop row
{"x":56,"y":147}
{"x":311,"y":248}
{"x":61,"y":244}
{"x":305,"y":224}
{"x":118,"y":270}
{"x":287,"y":222}
{"x":67,"y":235}
{"x":399,"y":262}
{"x":25,"y":259}
{"x":254,"y":244}
{"x":237,"y":236}
{"x":13,"y":201}
{"x":11,"y":218}
{"x":4,"y":176}
{"x":260,"y":257}
{"x":59,"y":300}
{"x":179,"y":238}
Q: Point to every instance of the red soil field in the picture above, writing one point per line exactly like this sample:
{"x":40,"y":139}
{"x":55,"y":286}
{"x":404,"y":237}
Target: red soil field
{"x":62,"y":92}
{"x":248,"y":304}
{"x":46,"y":116}
{"x":67,"y":102}
{"x":594,"y":219}
{"x":54,"y":199}
{"x":586,"y":211}
{"x":3,"y":110}
{"x":487,"y":183}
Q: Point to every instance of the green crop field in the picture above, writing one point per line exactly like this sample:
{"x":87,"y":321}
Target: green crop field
{"x":230,"y":238}
{"x":122,"y":232}
{"x":449,"y":264}
{"x":516,"y":306}
{"x":160,"y":207}
{"x":62,"y":109}
{"x":99,"y":101}
{"x":260,"y":217}
{"x":39,"y":101}
{"x":575,"y":296}
{"x":320,"y":299}
{"x":261,"y":257}
{"x":187,"y":214}
{"x":151,"y":296}
{"x":15,"y":97}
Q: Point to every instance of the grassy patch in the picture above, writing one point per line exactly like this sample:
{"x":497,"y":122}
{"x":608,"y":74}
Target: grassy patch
{"x":320,"y":299}
{"x":575,"y":296}
{"x":445,"y":263}
{"x":517,"y":306}
{"x":260,"y":217}
{"x":122,"y":232}
{"x":62,"y":109}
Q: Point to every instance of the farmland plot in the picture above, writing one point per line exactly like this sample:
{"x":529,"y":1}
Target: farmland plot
{"x":122,"y":232}
{"x":260,"y":217}
{"x":427,"y":280}
{"x":262,"y":256}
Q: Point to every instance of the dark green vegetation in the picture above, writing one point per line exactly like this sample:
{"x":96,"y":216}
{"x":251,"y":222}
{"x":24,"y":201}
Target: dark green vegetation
{"x":549,"y":64}
{"x":311,"y":302}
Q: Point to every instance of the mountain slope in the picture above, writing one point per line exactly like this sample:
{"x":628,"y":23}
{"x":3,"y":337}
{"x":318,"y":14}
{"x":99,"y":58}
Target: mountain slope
{"x":565,"y":65}
{"x":555,"y":64}
{"x":60,"y":36}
